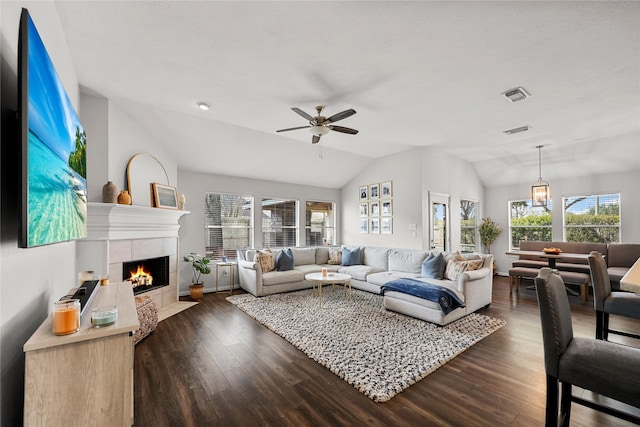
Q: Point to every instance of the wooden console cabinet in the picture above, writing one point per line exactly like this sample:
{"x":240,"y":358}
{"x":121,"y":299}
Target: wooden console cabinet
{"x":86,"y":378}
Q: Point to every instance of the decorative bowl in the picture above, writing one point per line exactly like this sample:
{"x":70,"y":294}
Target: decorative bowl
{"x":552,"y":251}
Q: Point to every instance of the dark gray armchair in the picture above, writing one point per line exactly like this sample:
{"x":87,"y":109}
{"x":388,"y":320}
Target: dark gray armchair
{"x":603,"y":367}
{"x":607,"y":302}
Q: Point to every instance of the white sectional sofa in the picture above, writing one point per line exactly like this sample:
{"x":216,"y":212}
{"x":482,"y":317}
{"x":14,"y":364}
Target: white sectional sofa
{"x":377,"y":267}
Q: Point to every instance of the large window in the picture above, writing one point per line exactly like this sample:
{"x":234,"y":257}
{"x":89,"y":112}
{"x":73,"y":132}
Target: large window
{"x":320,"y":227}
{"x":228,"y":224}
{"x":279,"y":223}
{"x":528,"y":223}
{"x":468,"y":225}
{"x":594,"y":218}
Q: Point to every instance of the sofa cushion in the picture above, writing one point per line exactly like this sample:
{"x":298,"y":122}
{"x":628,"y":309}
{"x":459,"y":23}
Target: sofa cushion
{"x":284,"y":260}
{"x":350,"y":256}
{"x":458,"y":264}
{"x":303,"y":256}
{"x":383,"y":277}
{"x":375,"y":257}
{"x":335,"y":256}
{"x":280,"y":277}
{"x":622,"y":254}
{"x":315,"y":268}
{"x":322,"y":255}
{"x":264,"y":257}
{"x":616,"y":273}
{"x":409,"y":261}
{"x":359,"y":272}
{"x":434,"y":266}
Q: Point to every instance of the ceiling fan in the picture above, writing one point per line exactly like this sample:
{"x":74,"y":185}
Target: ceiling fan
{"x":321,"y":125}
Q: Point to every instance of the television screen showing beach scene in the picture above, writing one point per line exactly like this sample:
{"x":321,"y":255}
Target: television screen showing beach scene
{"x":56,"y":179}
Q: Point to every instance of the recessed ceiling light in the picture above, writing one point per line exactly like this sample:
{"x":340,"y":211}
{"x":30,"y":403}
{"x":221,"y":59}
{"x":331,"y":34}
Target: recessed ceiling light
{"x":203,"y":106}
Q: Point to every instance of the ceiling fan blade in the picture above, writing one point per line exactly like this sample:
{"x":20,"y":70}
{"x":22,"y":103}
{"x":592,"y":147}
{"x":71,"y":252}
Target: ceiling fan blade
{"x":315,"y":139}
{"x":343,"y":129}
{"x":340,"y":116}
{"x":302,"y":113}
{"x":296,"y":128}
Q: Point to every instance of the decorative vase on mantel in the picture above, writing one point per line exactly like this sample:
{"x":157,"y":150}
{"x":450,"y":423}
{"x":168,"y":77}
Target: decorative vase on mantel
{"x":124,"y":198}
{"x":109,"y":193}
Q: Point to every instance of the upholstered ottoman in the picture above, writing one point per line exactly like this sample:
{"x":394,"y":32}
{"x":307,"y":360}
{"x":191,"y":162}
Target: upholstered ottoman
{"x":147,"y":316}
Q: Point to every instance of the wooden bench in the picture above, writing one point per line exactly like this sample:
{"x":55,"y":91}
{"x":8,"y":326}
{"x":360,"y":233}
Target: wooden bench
{"x":570,"y":278}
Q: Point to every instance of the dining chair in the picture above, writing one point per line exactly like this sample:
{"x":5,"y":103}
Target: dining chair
{"x":606,"y":368}
{"x":607,"y":302}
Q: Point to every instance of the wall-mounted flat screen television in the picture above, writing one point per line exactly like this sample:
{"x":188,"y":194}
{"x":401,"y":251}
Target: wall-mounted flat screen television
{"x":54,"y":171}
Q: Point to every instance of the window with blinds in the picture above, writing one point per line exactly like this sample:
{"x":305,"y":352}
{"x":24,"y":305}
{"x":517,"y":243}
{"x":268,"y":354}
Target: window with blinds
{"x":528,"y":223}
{"x":594,"y":218}
{"x":279,"y":223}
{"x":228,"y":224}
{"x":468,"y":225}
{"x":320,"y":223}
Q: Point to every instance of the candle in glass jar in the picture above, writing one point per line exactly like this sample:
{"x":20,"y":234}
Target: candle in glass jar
{"x":324,"y":272}
{"x":66,"y":317}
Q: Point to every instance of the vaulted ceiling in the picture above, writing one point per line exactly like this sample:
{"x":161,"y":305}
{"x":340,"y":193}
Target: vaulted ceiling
{"x":417,"y":73}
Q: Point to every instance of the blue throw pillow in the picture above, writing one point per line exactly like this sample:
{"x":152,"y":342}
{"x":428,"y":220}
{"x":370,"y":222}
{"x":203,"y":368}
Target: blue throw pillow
{"x":433,"y":267}
{"x":350,"y":256}
{"x":284,"y":260}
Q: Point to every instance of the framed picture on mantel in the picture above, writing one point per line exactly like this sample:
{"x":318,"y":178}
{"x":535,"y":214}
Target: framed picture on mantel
{"x":164,"y":196}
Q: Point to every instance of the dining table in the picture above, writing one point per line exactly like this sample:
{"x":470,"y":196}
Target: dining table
{"x":631,"y":280}
{"x":551,"y":261}
{"x":551,"y":257}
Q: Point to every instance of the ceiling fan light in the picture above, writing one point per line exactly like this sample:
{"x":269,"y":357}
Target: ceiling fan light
{"x":319,"y":130}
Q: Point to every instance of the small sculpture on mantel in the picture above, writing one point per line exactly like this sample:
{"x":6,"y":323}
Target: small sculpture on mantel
{"x":182,"y":202}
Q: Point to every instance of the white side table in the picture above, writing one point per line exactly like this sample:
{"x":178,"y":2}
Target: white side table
{"x":231,"y":266}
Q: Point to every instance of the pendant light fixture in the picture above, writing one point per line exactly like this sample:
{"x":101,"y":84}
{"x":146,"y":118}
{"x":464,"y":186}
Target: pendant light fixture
{"x":540,"y":189}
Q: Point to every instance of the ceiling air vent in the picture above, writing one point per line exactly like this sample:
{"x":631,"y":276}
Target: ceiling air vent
{"x":516,"y":130}
{"x":517,"y":94}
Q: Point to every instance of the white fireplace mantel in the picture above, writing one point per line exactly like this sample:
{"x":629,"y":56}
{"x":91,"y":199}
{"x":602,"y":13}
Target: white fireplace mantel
{"x":108,"y":221}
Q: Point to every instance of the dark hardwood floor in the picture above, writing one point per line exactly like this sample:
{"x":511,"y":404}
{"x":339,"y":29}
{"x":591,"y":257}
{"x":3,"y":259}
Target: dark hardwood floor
{"x":214,"y":365}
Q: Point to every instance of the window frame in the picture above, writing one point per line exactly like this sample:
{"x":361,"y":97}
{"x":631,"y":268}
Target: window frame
{"x":530,"y":206}
{"x":309,"y":225}
{"x":597,"y":195}
{"x":476,"y":209}
{"x":267,"y":227}
{"x":229,"y":253}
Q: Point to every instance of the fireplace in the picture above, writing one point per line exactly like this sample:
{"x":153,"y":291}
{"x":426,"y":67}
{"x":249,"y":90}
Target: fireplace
{"x":146,"y":274}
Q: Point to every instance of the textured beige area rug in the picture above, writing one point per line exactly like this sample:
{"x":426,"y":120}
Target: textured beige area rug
{"x":377,"y":351}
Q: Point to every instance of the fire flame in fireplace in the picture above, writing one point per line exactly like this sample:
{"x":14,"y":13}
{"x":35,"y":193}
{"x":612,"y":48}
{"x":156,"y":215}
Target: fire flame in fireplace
{"x":140,"y":277}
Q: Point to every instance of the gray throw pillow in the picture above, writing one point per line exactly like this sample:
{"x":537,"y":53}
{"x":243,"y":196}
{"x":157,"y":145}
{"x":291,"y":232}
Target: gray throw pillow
{"x":350,"y":256}
{"x":433,"y":266}
{"x":284,"y":260}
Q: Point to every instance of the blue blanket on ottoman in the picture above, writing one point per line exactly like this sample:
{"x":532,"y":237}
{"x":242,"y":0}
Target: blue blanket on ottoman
{"x":446,"y":298}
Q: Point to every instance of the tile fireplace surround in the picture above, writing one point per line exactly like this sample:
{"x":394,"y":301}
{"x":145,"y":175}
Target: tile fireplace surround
{"x":120,"y":233}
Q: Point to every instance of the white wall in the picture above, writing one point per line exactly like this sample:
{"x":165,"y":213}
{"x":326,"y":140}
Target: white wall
{"x":624,"y":183}
{"x":126,"y":139}
{"x":30,"y":279}
{"x":114,"y":138}
{"x":94,"y":114}
{"x":195,"y":185}
{"x":414,"y":174}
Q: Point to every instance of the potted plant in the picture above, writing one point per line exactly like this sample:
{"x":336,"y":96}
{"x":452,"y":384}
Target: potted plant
{"x":489,"y":232}
{"x":200,"y":266}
